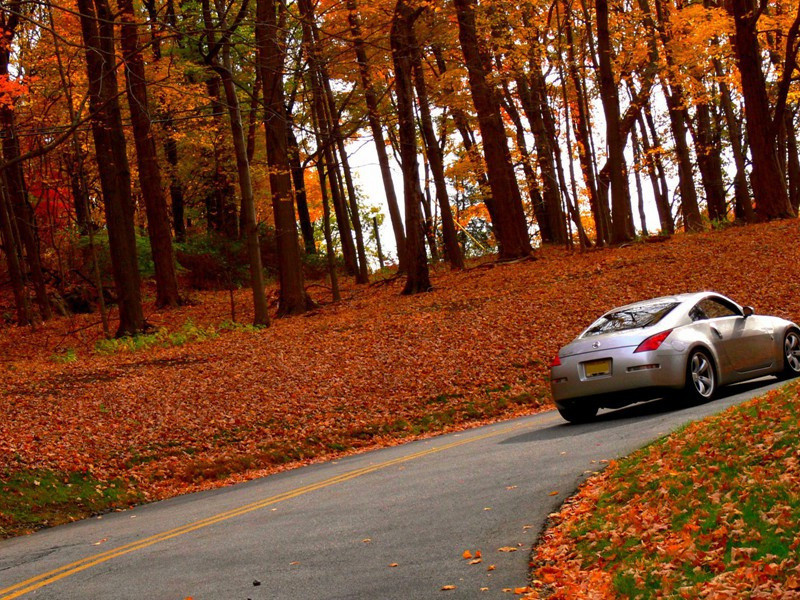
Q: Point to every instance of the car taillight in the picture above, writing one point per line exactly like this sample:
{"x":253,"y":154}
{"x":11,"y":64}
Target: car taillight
{"x":653,"y":342}
{"x":556,"y":362}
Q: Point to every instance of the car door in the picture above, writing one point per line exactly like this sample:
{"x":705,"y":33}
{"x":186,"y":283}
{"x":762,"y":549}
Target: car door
{"x":752,"y":344}
{"x":746,"y":341}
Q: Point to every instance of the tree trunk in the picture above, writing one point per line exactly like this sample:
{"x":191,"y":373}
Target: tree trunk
{"x":260,"y":307}
{"x":299,"y":183}
{"x":678,"y":116}
{"x":403,"y":50}
{"x":462,"y":124}
{"x":769,"y":184}
{"x":793,"y":163}
{"x":20,"y":210}
{"x":319,"y":108}
{"x":661,"y":199}
{"x":175,"y":185}
{"x":743,"y":207}
{"x":271,"y":57}
{"x":582,"y":134}
{"x":158,"y":226}
{"x":621,"y":217}
{"x":537,"y":201}
{"x":708,"y":147}
{"x":362,"y":272}
{"x":112,"y":160}
{"x":326,"y":225}
{"x":637,"y":158}
{"x":373,"y":115}
{"x":552,"y":229}
{"x":505,"y":207}
{"x":452,"y":250}
{"x":428,"y":224}
{"x":12,"y":258}
{"x":23,"y":219}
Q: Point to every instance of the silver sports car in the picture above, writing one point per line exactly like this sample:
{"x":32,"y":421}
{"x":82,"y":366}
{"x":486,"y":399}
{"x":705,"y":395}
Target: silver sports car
{"x":684,"y":346}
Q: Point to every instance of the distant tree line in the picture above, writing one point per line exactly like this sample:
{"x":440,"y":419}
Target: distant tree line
{"x":541,"y":122}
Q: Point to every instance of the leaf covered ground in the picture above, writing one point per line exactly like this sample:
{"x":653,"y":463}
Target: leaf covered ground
{"x":207,"y":404}
{"x":711,"y":511}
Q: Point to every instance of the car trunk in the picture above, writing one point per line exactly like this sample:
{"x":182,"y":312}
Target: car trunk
{"x":604,"y":342}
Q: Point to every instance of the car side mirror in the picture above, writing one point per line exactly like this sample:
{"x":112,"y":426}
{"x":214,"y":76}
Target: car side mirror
{"x":748,"y":311}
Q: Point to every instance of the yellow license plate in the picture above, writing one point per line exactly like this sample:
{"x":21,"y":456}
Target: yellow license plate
{"x":597,"y":367}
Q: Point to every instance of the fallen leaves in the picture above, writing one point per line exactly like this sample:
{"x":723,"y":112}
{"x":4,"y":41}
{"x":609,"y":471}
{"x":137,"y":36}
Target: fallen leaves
{"x":711,"y":511}
{"x":363,"y":373}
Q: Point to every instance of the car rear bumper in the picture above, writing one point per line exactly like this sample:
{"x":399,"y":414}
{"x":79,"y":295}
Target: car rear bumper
{"x":641,"y":372}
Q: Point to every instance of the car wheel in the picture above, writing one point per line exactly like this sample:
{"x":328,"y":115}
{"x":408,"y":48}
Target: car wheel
{"x":579,"y":413}
{"x":791,"y":354}
{"x":701,"y":380}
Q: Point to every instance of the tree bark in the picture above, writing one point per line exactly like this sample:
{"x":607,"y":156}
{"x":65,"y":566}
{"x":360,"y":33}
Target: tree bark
{"x":678,"y":116}
{"x":373,"y":115}
{"x":299,"y":184}
{"x":175,"y":185}
{"x":221,"y":47}
{"x":505,"y":207}
{"x":552,"y":227}
{"x":769,"y":183}
{"x":320,"y":109}
{"x":158,"y":226}
{"x":659,"y":192}
{"x":707,"y":143}
{"x":271,"y":57}
{"x":401,"y":38}
{"x":112,"y":160}
{"x":452,"y":250}
{"x":793,"y":163}
{"x":743,"y":207}
{"x":20,"y":210}
{"x":12,"y":258}
{"x":621,"y":217}
{"x":582,"y":134}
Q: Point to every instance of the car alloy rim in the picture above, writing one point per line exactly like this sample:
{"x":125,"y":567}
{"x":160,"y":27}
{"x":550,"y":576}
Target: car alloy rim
{"x":702,"y":375}
{"x":791,"y":349}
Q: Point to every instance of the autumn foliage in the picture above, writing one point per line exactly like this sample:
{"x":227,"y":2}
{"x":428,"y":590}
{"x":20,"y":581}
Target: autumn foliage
{"x":368,"y":371}
{"x":711,"y":511}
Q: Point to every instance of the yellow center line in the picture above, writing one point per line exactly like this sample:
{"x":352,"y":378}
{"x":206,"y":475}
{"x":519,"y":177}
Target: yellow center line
{"x":39,"y":581}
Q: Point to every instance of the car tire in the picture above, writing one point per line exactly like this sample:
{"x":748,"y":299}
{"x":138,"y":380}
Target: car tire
{"x":791,"y":354}
{"x":579,"y":413}
{"x":701,"y":377}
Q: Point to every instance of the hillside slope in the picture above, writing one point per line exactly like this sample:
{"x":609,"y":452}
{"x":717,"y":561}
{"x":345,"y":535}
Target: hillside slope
{"x":369,"y":371}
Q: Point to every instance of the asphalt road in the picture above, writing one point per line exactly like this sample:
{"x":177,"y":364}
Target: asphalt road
{"x":392,"y":523}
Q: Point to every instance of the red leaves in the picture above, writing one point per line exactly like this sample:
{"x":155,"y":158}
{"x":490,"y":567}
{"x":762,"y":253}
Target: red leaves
{"x":708,"y":512}
{"x":362,"y":373}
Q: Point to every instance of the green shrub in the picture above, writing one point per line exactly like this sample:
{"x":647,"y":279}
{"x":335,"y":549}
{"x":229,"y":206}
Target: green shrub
{"x":68,"y":355}
{"x":161,"y":338}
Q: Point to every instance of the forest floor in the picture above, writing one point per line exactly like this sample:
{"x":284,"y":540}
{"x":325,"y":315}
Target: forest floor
{"x":710,"y":511}
{"x":87,"y":425}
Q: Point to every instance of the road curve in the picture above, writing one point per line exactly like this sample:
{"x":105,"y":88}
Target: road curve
{"x":392,"y":523}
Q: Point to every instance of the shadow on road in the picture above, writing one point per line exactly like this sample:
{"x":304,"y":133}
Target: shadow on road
{"x":622,"y":416}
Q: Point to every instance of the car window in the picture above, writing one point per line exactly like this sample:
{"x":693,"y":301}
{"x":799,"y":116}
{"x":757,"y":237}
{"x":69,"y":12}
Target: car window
{"x":632,"y":317}
{"x":714,"y":308}
{"x":697,"y":314}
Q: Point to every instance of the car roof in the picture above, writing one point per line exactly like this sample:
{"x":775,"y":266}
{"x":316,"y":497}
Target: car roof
{"x":689,"y":297}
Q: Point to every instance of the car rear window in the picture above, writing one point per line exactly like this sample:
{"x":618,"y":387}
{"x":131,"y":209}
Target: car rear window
{"x":633,"y":317}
